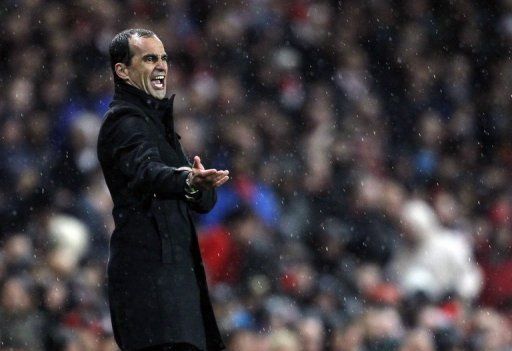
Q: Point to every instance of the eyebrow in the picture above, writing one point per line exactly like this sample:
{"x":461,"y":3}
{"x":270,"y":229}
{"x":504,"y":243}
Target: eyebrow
{"x":154,"y":56}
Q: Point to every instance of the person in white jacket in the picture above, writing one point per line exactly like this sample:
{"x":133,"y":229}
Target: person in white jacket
{"x":433,"y":259}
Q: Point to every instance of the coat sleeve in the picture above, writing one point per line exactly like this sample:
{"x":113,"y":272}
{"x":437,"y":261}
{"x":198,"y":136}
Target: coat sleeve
{"x":205,"y":202}
{"x":206,"y":199}
{"x":136,"y":153}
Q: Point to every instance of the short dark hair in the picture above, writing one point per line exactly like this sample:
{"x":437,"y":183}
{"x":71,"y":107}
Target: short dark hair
{"x":120,"y":48}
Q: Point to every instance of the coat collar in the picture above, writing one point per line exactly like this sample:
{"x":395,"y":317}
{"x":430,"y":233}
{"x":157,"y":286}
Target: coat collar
{"x":130,"y":93}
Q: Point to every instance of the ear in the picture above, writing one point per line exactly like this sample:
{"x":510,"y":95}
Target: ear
{"x":121,"y":70}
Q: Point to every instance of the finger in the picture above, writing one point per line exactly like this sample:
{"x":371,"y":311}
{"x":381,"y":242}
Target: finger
{"x":219,"y":174}
{"x":197,"y":162}
{"x":206,"y":173}
{"x":210,"y":179}
{"x":215,"y":176}
{"x":222,"y":174}
{"x":221,"y":181}
{"x":208,"y":182}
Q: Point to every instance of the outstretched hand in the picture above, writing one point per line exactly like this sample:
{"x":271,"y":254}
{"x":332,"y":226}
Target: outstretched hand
{"x":206,"y":179}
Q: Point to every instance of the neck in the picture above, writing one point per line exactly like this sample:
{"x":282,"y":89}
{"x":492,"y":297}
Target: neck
{"x":127,"y":91}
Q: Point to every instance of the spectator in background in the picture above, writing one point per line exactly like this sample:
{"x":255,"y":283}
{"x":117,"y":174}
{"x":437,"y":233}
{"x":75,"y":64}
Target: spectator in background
{"x":418,"y":340}
{"x":243,"y":340}
{"x":349,"y":337}
{"x":433,"y":260}
{"x":283,"y":340}
{"x":493,"y":250}
{"x":21,"y":324}
{"x":311,"y":334}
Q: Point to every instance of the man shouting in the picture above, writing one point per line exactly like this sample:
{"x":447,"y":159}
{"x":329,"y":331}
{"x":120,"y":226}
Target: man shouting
{"x":156,"y":283}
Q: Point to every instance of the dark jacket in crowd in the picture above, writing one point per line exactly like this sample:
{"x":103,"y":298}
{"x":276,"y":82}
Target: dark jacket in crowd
{"x":156,"y":282}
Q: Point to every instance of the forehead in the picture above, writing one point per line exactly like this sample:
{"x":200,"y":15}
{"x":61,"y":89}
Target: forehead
{"x":141,"y":46}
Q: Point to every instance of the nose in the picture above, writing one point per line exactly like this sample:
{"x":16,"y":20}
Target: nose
{"x":161,"y":64}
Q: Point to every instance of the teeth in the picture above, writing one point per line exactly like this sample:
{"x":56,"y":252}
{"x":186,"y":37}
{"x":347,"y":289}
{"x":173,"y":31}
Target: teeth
{"x":159,"y":77}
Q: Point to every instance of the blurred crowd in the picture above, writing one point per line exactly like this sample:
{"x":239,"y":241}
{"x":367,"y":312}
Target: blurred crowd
{"x":369,"y":146}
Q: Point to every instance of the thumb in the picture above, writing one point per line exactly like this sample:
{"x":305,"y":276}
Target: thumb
{"x":197,"y":162}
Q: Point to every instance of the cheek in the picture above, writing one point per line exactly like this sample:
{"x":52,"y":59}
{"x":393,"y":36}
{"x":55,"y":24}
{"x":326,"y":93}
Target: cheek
{"x":147,"y":73}
{"x":143,"y":77}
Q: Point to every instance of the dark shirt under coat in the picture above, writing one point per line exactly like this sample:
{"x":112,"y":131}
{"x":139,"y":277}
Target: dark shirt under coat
{"x":156,"y":282}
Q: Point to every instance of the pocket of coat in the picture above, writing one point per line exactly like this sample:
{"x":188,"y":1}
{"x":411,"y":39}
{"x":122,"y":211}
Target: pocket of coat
{"x":159,"y":214}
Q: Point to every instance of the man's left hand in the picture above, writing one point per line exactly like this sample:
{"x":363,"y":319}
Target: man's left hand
{"x":205,"y":179}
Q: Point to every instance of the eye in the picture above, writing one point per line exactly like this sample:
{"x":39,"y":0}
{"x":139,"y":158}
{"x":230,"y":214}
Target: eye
{"x":165,"y":58}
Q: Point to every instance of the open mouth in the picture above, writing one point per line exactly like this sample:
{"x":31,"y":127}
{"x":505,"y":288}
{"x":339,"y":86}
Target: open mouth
{"x":158,"y":82}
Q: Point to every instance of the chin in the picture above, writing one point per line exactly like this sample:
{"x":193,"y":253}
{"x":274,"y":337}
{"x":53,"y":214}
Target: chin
{"x":160,"y":94}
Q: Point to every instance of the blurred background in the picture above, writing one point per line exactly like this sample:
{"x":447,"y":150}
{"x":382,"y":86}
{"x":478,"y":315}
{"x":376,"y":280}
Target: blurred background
{"x":369,"y":144}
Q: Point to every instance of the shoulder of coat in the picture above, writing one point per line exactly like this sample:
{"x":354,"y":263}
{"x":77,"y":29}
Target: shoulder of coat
{"x":122,"y":109}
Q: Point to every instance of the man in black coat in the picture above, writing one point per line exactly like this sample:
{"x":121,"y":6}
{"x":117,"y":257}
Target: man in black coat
{"x":156,"y":283}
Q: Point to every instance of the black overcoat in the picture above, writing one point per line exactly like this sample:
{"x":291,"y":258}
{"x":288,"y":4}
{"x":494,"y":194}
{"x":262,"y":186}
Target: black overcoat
{"x":156,"y":282}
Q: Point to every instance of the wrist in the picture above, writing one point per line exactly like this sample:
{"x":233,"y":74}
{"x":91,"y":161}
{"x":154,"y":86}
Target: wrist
{"x":190,"y":189}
